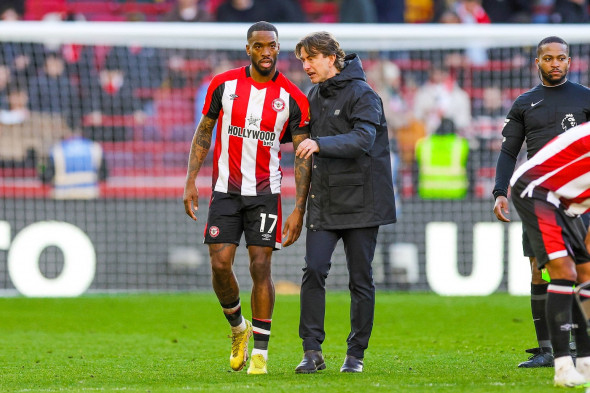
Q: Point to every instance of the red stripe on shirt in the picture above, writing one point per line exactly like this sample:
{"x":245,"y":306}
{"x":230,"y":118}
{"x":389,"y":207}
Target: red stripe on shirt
{"x":550,"y":231}
{"x":238,"y":119}
{"x":269,"y":118}
{"x":567,"y":174}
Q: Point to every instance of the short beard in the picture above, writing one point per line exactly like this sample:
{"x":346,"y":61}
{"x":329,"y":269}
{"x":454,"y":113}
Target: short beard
{"x":265,"y":72}
{"x":553,"y":82}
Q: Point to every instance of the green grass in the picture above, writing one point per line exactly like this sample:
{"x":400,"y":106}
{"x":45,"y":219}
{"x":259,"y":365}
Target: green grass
{"x":177,"y":343}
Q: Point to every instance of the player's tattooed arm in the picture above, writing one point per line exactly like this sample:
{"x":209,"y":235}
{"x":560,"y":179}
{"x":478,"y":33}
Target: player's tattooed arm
{"x":199,"y":149}
{"x":200,"y":145}
{"x":302,"y":174}
{"x":294,"y":223}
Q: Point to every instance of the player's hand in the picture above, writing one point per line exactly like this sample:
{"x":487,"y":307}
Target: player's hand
{"x":292,"y":227}
{"x":191,"y":199}
{"x":501,"y":207}
{"x":307,"y":148}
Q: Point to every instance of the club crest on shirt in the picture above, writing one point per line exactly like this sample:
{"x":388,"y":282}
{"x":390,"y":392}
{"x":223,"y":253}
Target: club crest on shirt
{"x":568,"y":122}
{"x":278,"y":104}
{"x":214,"y":231}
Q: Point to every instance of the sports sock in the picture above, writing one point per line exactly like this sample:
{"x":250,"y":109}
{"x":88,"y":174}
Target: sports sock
{"x":233,"y":313}
{"x":261,"y":329}
{"x":263,"y":352}
{"x":538,"y":303}
{"x":580,"y":332}
{"x":560,"y":296}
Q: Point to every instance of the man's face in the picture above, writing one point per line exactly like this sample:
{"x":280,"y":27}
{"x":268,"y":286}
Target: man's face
{"x":318,"y":67}
{"x":553,"y":63}
{"x":263,"y":49}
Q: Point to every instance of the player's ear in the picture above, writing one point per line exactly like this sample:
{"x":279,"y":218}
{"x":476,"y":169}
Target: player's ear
{"x":248,"y":49}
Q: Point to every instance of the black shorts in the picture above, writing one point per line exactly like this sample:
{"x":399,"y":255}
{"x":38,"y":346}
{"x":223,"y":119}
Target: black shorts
{"x":527,"y":249}
{"x":257,"y":217}
{"x":552,"y":233}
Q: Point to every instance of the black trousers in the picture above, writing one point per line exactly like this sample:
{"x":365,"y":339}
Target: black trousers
{"x":359,"y":247}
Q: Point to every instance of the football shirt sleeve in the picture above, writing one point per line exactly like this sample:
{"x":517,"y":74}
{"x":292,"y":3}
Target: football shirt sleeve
{"x":213,"y":103}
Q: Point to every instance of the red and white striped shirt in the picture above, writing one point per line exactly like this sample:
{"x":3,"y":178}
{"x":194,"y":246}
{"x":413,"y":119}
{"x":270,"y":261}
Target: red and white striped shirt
{"x":560,"y":171}
{"x":253,"y":119}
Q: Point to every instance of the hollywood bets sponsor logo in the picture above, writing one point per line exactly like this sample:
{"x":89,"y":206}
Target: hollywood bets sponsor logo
{"x":267,"y":137}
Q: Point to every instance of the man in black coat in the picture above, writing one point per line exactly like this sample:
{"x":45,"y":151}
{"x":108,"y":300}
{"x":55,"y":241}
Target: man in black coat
{"x":351,"y":193}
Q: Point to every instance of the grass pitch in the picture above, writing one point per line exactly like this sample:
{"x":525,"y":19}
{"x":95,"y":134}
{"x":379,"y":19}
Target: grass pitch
{"x":177,"y":343}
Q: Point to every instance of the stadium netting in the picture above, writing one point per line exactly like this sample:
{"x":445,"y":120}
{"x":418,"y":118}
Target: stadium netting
{"x":138,"y":90}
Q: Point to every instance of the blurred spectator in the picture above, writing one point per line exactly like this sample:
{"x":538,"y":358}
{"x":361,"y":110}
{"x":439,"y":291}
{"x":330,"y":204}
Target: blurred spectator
{"x":449,"y":16}
{"x":390,"y":11}
{"x":74,"y":167}
{"x":188,"y":11}
{"x":508,"y":11}
{"x":52,"y":91}
{"x":570,"y":11}
{"x":5,"y":79}
{"x":111,"y":110}
{"x":442,"y":164}
{"x":175,"y":75}
{"x":256,"y":10}
{"x":11,"y":10}
{"x":470,"y":11}
{"x":143,"y":67}
{"x":440,"y":97}
{"x":20,"y":56}
{"x":489,"y":114}
{"x":26,"y":135}
{"x":541,"y":11}
{"x":403,"y":127}
{"x":358,"y":11}
{"x":419,"y":11}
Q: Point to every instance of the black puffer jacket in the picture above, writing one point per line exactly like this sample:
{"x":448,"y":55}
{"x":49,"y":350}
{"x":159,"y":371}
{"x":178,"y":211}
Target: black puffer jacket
{"x":351,"y":182}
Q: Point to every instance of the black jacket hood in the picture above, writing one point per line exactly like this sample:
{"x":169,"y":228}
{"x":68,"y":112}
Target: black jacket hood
{"x":353,"y":69}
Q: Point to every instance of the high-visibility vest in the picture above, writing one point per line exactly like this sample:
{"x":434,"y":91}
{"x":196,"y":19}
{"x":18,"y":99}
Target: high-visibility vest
{"x":77,"y":162}
{"x":442,"y":167}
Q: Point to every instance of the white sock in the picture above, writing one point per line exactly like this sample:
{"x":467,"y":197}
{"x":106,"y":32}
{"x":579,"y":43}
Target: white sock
{"x":240,"y":328}
{"x":563,"y":361}
{"x":263,"y":352}
{"x":583,"y":361}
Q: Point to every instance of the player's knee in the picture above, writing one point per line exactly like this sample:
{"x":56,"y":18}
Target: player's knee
{"x":260,"y":268}
{"x":221,"y":268}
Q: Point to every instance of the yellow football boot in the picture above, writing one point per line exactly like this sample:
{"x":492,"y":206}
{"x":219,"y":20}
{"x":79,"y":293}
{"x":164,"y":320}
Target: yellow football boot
{"x":257,"y":365}
{"x":239,"y":347}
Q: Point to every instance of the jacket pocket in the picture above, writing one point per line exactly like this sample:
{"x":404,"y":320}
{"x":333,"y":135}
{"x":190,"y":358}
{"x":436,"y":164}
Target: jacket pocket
{"x":346,"y":193}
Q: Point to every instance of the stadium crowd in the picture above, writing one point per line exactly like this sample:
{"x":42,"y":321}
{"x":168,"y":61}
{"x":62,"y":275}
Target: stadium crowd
{"x":143,"y":103}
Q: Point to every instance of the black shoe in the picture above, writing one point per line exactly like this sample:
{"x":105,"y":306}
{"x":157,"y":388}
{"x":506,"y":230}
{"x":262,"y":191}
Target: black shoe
{"x":312,"y":362}
{"x":540,"y":357}
{"x":352,"y":365}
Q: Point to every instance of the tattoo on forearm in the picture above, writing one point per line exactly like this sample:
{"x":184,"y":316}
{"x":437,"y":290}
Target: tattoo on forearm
{"x":302,"y":174}
{"x":200,"y":145}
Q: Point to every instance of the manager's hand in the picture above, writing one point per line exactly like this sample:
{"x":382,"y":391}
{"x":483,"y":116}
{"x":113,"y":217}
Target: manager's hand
{"x":307,"y":148}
